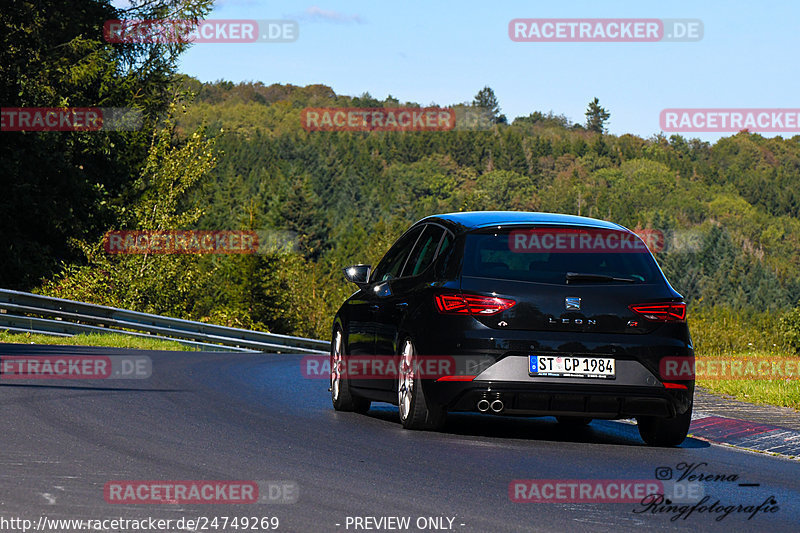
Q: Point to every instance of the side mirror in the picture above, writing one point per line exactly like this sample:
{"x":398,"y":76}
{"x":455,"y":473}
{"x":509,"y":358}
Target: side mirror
{"x":358,"y":274}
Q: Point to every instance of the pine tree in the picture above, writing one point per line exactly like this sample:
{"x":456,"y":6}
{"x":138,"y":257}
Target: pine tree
{"x":487,"y":101}
{"x":596,"y":117}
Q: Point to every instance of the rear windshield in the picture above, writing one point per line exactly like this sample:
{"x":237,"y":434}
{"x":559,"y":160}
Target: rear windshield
{"x":547,"y":255}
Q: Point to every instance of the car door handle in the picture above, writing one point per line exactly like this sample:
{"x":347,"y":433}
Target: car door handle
{"x":374,"y":307}
{"x":401,"y":305}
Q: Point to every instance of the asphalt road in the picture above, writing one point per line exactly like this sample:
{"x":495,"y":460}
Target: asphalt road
{"x":211,"y":416}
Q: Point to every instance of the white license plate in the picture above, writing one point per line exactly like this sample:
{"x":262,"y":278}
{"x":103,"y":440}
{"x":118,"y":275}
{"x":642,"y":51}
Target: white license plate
{"x":571,"y":366}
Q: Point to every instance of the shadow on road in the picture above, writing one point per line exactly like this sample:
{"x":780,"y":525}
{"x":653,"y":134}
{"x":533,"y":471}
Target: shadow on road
{"x":535,"y":428}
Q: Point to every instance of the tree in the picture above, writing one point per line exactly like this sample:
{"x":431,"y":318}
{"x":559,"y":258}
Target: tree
{"x":157,"y":283}
{"x":59,"y":186}
{"x":487,"y":101}
{"x":596,"y":117}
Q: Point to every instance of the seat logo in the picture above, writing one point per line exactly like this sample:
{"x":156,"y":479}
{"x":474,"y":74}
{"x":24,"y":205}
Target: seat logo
{"x":572,"y":303}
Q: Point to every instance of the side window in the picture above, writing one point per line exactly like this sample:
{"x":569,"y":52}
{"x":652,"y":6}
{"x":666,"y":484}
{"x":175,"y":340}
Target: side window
{"x":424,"y":251}
{"x":445,"y":253}
{"x":395,"y":258}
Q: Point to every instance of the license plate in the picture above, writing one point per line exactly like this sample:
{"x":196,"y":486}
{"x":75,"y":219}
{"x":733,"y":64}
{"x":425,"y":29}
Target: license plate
{"x":571,"y":366}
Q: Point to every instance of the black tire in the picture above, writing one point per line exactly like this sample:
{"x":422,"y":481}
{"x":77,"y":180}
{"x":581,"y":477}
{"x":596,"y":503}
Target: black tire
{"x":341,"y":396}
{"x":415,"y":411}
{"x":574,"y":421}
{"x":659,"y":431}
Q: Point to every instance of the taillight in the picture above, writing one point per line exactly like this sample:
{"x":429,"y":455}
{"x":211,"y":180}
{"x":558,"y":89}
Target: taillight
{"x":470,"y":304}
{"x":663,"y":312}
{"x":456,"y":378}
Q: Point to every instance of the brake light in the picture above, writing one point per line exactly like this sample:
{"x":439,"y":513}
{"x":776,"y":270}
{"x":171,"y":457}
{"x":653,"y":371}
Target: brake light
{"x":663,"y":312}
{"x":456,"y":378}
{"x":470,"y":304}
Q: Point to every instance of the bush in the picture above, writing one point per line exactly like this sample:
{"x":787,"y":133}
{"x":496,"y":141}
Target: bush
{"x":789,"y":327}
{"x":720,"y":330}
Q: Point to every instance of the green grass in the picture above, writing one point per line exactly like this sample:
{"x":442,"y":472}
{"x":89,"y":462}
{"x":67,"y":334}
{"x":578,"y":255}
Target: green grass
{"x":113,"y":340}
{"x":781,"y":392}
{"x":725,"y":334}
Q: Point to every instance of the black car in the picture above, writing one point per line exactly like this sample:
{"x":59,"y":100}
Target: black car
{"x":540,"y":315}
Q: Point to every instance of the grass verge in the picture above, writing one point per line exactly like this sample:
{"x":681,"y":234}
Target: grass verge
{"x":783,"y":392}
{"x":726,"y":335}
{"x":111,"y":340}
{"x":763,"y":392}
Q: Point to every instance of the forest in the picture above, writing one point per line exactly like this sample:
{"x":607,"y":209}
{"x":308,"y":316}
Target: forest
{"x":234,"y":156}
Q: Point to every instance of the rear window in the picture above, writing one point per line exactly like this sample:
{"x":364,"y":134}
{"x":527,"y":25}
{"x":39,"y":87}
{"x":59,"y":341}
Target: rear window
{"x":546,"y":255}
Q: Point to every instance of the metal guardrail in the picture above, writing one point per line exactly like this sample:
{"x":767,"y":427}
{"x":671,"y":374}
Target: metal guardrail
{"x":22,"y":311}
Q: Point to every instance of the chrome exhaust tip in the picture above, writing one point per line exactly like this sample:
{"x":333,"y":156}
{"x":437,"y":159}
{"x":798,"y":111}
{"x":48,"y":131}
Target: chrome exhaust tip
{"x":483,"y":405}
{"x":497,"y":406}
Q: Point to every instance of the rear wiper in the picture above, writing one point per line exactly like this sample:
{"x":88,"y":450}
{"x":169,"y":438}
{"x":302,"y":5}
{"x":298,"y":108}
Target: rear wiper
{"x":580,"y":276}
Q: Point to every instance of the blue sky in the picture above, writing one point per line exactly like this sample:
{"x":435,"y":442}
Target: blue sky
{"x":444,"y":52}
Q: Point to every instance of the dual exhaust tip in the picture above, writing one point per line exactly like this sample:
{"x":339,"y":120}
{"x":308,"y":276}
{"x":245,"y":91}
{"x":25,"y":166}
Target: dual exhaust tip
{"x":496,"y":406}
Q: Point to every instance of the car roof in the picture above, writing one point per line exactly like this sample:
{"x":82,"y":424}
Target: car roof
{"x":470,"y":220}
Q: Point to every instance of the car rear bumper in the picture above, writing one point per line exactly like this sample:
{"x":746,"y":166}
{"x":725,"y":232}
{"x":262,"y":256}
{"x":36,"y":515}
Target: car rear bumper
{"x":498,"y":361}
{"x":543,"y":399}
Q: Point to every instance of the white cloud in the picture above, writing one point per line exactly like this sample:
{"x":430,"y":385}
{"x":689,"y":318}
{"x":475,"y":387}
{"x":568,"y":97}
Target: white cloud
{"x":317,"y":14}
